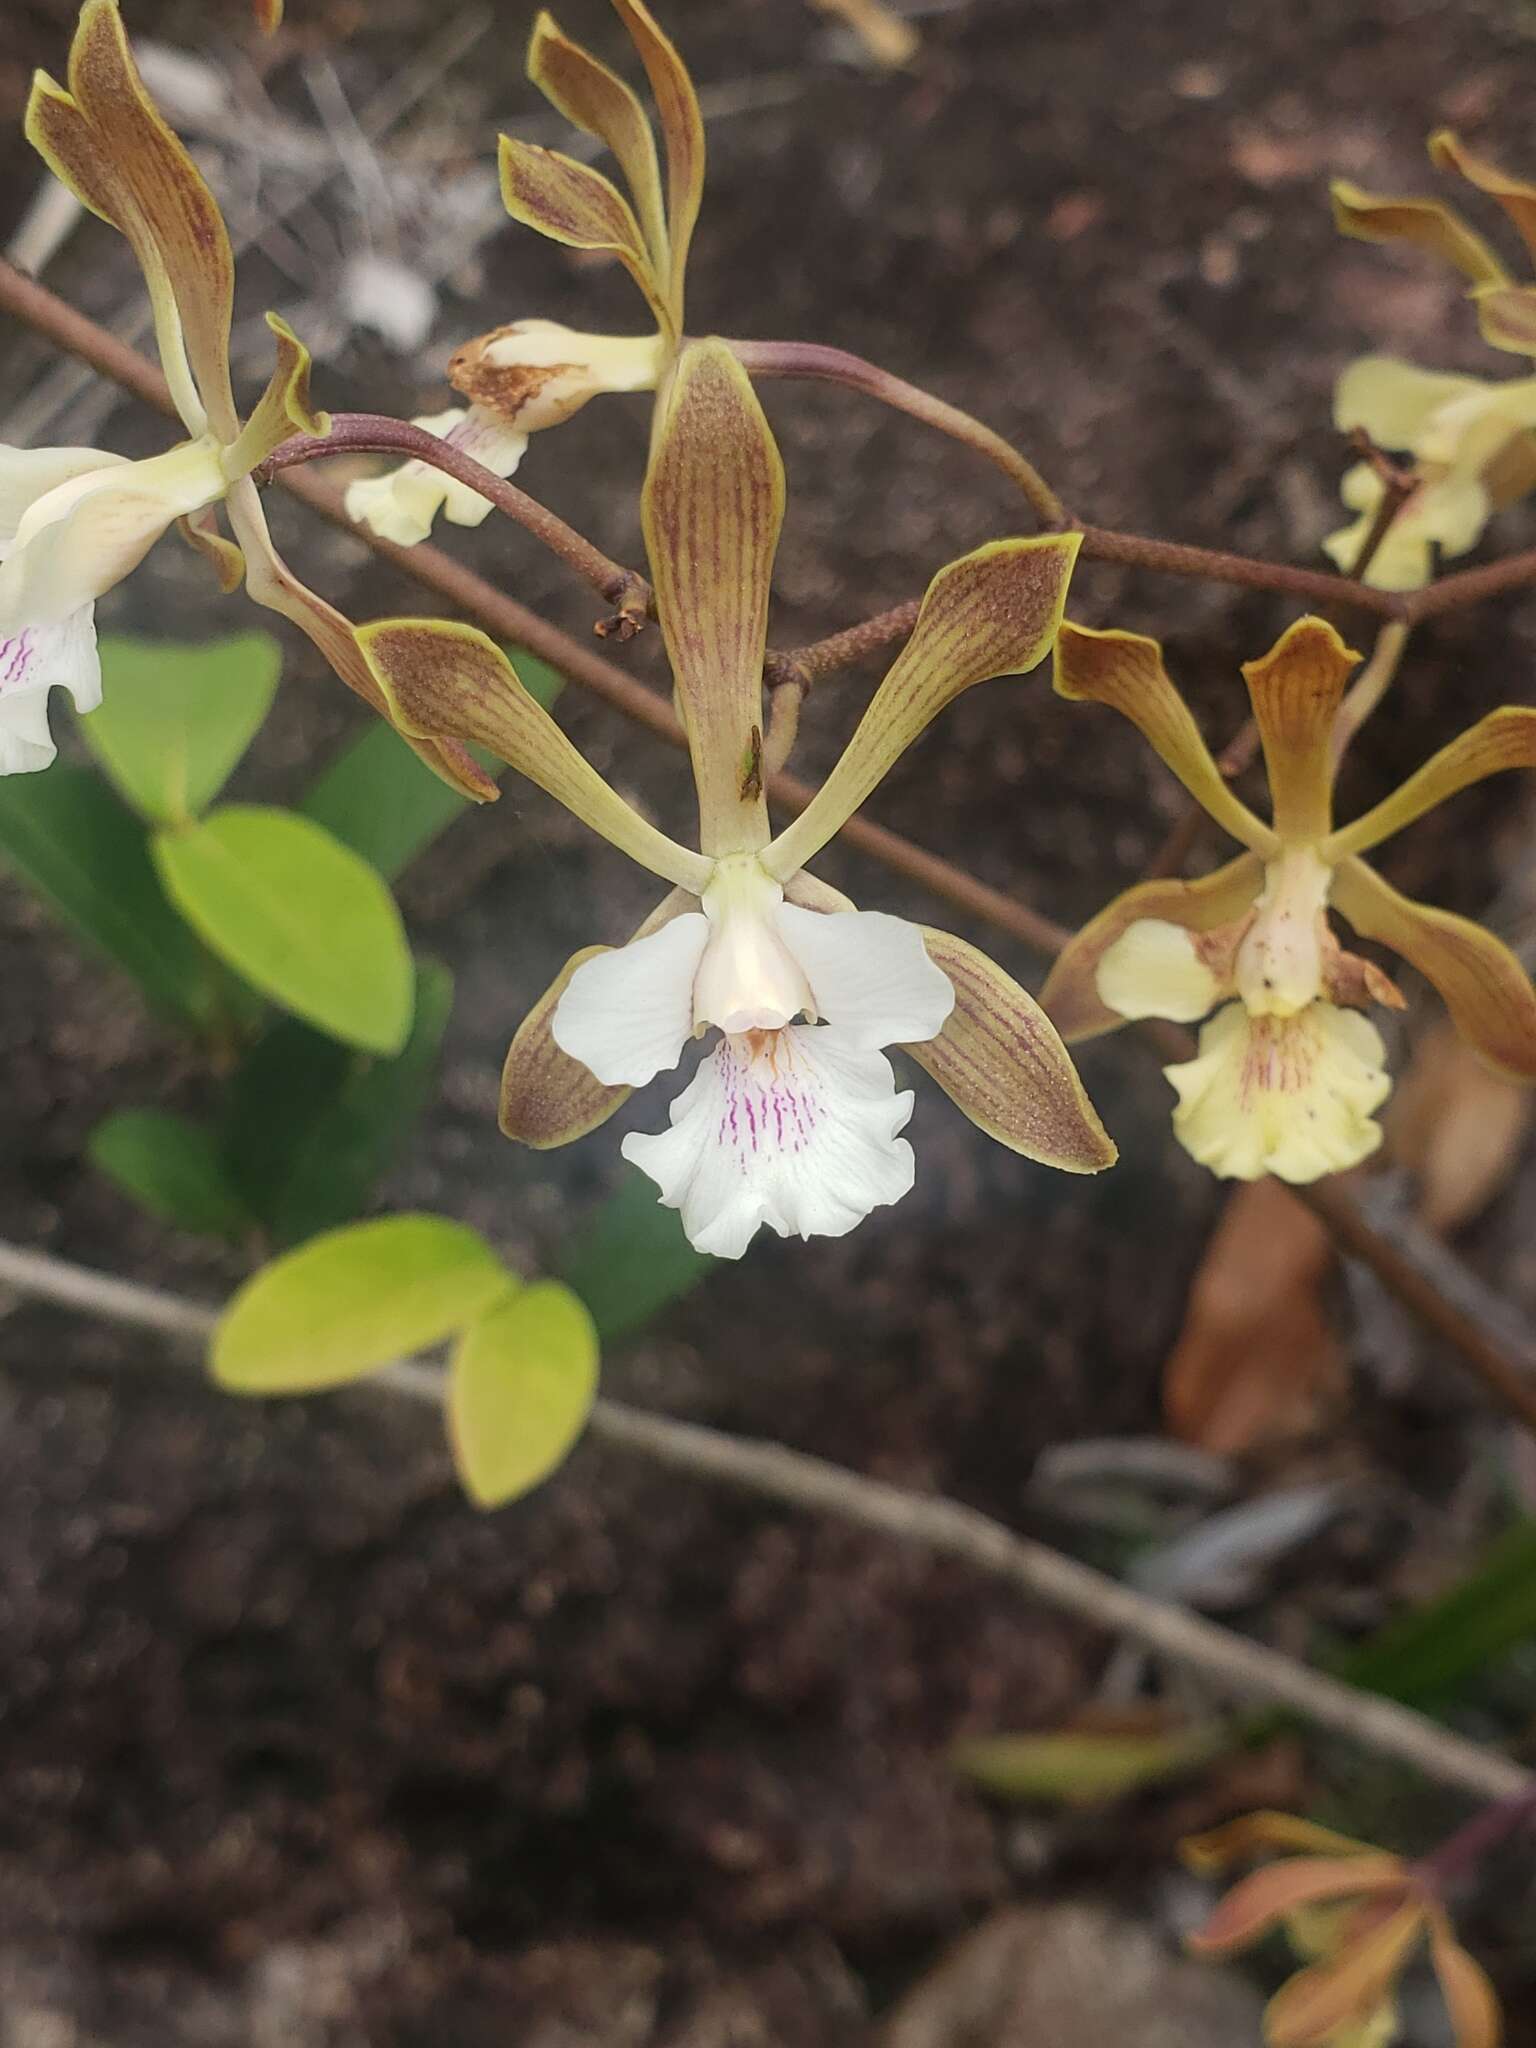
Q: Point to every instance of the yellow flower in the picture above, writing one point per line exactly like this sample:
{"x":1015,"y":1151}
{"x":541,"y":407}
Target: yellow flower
{"x":1356,"y":1916}
{"x":1288,"y":1073}
{"x":534,"y":374}
{"x":1472,"y":449}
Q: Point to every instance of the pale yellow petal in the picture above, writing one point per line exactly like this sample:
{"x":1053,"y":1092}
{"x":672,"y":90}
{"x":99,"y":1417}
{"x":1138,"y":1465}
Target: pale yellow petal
{"x":1290,"y":1096}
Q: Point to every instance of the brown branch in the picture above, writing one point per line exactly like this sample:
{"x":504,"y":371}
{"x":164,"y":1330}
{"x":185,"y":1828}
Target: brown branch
{"x":505,"y":618}
{"x":928,"y":1522}
{"x":813,"y":360}
{"x":370,"y":433}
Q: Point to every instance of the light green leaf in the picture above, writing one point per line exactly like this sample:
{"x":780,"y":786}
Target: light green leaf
{"x":84,"y":851}
{"x":1076,"y":1767}
{"x":632,"y":1259}
{"x":351,"y":1301}
{"x":171,"y":1167}
{"x":302,"y":917}
{"x":383,"y":801}
{"x":175,"y":718}
{"x":520,"y":1388}
{"x":311,"y":1127}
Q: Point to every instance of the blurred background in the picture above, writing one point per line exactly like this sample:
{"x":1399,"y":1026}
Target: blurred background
{"x":295,"y":1747}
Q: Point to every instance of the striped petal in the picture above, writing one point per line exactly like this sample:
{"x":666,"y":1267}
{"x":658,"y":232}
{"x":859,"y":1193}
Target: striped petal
{"x":1438,"y":230}
{"x":569,"y":203}
{"x":1517,"y":198}
{"x":1260,"y":1902}
{"x":32,"y":662}
{"x":443,"y":680}
{"x":549,"y":1099}
{"x":1126,"y":672}
{"x":1506,"y":738}
{"x":993,"y":613}
{"x":712,"y":507}
{"x":682,"y":130}
{"x":595,"y":99}
{"x":1481,"y":983}
{"x":271,"y":583}
{"x":1071,"y":994}
{"x":1296,"y":690}
{"x":1000,"y":1061}
{"x":108,"y":141}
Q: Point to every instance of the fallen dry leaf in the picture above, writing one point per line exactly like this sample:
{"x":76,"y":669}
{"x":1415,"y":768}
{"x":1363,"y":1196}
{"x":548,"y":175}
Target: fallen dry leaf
{"x":888,"y":38}
{"x":1256,"y":1361}
{"x":1457,"y":1127}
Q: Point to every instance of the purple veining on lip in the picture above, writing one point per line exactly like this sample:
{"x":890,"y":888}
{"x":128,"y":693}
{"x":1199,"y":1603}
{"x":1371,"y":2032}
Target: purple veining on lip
{"x":763,"y":1116}
{"x":16,"y":654}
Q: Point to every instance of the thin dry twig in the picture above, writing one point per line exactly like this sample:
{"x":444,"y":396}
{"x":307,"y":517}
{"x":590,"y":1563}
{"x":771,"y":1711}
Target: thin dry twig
{"x":943,"y":1527}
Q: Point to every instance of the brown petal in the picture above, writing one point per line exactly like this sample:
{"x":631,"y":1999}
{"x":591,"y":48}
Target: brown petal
{"x":1506,"y":738}
{"x":993,"y":613}
{"x":1437,"y":229}
{"x":1259,"y":1902}
{"x":595,"y":99}
{"x":999,"y":1059}
{"x":200,"y":530}
{"x":547,"y":1098}
{"x":284,"y":408}
{"x":579,"y":207}
{"x":1071,"y":995}
{"x":271,"y":583}
{"x":1251,"y":1834}
{"x":443,"y":680}
{"x":161,"y":200}
{"x":1470,"y":2000}
{"x":712,"y":508}
{"x":1481,"y":983}
{"x":1296,"y":690}
{"x":1506,"y":313}
{"x":1310,"y":2009}
{"x":1126,"y":672}
{"x":1517,"y":198}
{"x":682,"y":129}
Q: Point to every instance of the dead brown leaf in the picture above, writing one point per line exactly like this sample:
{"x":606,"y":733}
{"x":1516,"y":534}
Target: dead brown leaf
{"x":1457,"y":1127}
{"x":1256,"y":1362}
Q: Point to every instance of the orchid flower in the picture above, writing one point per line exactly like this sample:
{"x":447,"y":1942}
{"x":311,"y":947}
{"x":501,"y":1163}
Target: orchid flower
{"x":1470,"y":439}
{"x":75,"y":521}
{"x":1288,"y":1070}
{"x":1506,"y":310}
{"x":533,"y":374}
{"x":792,"y":1118}
{"x":1356,"y":1916}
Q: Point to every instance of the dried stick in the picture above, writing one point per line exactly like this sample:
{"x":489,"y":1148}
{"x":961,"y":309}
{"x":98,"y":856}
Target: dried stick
{"x":503,"y":617}
{"x":933,"y":1523}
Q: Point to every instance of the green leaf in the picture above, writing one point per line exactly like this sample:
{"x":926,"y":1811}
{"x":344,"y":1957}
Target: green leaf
{"x":171,"y":1167}
{"x":1082,"y":1768}
{"x":311,"y":1128}
{"x":174,"y":719}
{"x":520,"y":1388}
{"x":633,"y":1259}
{"x":302,"y":917}
{"x":83,"y":850}
{"x":1427,"y":1654}
{"x":382,"y":800}
{"x":351,"y":1301}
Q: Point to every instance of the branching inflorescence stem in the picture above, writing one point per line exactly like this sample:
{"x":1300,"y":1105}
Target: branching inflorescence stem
{"x":47,"y":314}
